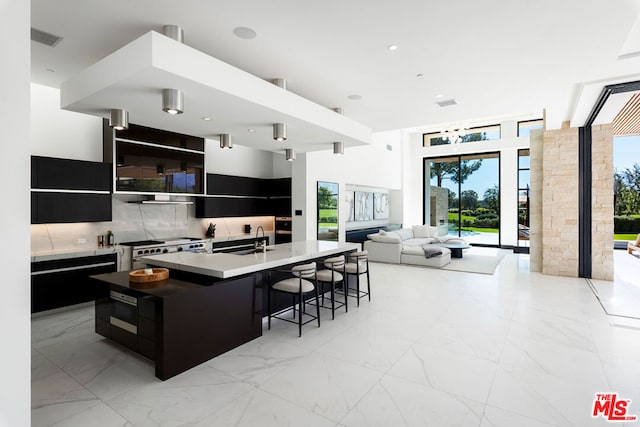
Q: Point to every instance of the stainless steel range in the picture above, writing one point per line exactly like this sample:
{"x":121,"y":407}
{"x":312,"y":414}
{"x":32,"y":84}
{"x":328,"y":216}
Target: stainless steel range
{"x":155,"y":247}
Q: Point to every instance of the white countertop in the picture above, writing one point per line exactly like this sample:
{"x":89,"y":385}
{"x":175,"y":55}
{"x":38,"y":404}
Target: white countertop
{"x":225,"y":265}
{"x":81,"y":251}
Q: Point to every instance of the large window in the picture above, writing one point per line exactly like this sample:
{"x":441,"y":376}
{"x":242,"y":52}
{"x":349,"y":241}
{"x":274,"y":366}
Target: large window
{"x":525,"y":127}
{"x":327,"y":211}
{"x":480,"y":133}
{"x":524,"y":183}
{"x":626,"y":188}
{"x":462,"y":196}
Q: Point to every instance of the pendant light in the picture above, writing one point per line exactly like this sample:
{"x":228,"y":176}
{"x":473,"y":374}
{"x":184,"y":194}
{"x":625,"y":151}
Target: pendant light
{"x":338,"y":147}
{"x":119,"y":119}
{"x":225,"y":141}
{"x":279,"y":131}
{"x":290,"y":153}
{"x":172,"y":101}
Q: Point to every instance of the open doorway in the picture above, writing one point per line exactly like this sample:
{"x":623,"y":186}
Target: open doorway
{"x":621,"y":297}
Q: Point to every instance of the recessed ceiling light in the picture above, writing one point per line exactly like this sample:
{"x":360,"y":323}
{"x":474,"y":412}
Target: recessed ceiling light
{"x":251,"y":130}
{"x":206,"y":119}
{"x":51,"y":70}
{"x":439,"y":96}
{"x":244,"y":33}
{"x":392,"y":47}
{"x":419,"y":75}
{"x":354,"y":97}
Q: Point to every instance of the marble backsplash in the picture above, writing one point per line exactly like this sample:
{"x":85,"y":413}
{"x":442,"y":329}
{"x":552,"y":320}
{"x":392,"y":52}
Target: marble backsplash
{"x":135,"y":221}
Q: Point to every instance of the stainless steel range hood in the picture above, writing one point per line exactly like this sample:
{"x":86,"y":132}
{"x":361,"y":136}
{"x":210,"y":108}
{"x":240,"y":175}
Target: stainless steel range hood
{"x":162,"y":199}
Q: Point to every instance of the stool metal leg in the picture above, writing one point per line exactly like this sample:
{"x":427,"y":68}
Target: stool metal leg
{"x":317,"y":305}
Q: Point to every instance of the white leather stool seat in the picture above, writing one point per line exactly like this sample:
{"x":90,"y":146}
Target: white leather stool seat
{"x":292,"y":285}
{"x":326,"y":276}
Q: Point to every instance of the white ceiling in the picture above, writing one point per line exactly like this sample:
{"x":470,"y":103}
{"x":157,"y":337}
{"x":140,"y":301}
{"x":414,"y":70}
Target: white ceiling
{"x":497,"y":58}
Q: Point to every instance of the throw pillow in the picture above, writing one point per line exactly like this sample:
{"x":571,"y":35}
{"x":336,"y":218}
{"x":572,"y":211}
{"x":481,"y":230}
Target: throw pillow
{"x":431,"y":250}
{"x":384,"y":239}
{"x":421,"y":231}
{"x":405,"y":233}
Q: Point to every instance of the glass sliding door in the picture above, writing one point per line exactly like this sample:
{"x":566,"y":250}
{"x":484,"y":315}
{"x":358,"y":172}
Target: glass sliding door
{"x":524,"y":181}
{"x":480,"y":198}
{"x":469,"y":187}
{"x":441,"y":196}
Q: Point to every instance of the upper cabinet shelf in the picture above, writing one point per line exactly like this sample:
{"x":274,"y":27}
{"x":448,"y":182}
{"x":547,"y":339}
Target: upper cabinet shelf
{"x":133,"y":77}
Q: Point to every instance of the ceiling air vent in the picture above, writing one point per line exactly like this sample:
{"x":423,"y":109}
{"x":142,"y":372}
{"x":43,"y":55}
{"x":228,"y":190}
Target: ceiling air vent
{"x":44,"y":38}
{"x":447,"y":102}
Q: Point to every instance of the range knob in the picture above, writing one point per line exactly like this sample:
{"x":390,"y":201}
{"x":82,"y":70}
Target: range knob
{"x":146,"y":251}
{"x":179,"y":248}
{"x":140,"y":252}
{"x":165,"y":251}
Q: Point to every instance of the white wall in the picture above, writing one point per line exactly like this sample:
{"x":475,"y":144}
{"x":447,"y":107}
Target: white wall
{"x":60,"y":133}
{"x":507,"y":146}
{"x":15,"y":324}
{"x":239,"y":161}
{"x":372,"y":167}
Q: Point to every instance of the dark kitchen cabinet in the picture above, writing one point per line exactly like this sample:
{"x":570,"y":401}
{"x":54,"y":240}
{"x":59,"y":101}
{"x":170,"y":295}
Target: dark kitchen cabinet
{"x":65,"y":174}
{"x":65,"y":190}
{"x":64,"y":282}
{"x":219,"y":207}
{"x":59,"y":207}
{"x":228,"y":185}
{"x":243,"y":196}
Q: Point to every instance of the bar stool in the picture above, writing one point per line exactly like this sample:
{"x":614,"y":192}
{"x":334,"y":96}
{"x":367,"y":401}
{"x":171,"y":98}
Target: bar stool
{"x":358,"y":265}
{"x":301,"y":284}
{"x":334,"y":273}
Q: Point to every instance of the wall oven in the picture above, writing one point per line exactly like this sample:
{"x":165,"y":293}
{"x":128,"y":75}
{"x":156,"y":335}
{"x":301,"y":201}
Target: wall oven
{"x":283,"y":229}
{"x":124,"y":311}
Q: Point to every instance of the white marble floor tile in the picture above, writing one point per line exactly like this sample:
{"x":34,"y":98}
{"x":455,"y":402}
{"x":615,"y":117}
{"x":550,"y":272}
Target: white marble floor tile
{"x":259,"y":408}
{"x":55,"y":396}
{"x":497,"y":417}
{"x":459,"y":339}
{"x":544,"y":397}
{"x":397,"y":402}
{"x":322,"y":384}
{"x":368,"y":346}
{"x":454,"y":373}
{"x":182,"y":400}
{"x":256,"y":361}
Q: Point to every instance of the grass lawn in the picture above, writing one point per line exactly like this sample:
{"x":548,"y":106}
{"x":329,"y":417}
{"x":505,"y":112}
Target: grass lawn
{"x":625,"y":237}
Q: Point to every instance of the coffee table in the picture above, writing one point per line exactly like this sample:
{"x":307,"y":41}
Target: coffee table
{"x":456,"y":248}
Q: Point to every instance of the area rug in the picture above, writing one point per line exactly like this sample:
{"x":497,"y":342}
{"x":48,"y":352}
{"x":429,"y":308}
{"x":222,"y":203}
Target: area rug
{"x":477,"y":260}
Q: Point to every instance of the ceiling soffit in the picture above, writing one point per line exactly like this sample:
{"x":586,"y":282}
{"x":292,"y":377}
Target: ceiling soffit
{"x":133,"y":77}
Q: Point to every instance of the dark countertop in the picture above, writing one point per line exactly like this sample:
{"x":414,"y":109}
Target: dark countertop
{"x":161,"y":289}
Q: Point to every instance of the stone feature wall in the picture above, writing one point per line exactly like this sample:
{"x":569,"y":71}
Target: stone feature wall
{"x":535,"y":200}
{"x":560,"y":202}
{"x":602,"y":202}
{"x":554,"y":202}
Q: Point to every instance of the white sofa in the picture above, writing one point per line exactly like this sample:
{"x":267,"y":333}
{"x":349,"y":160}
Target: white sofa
{"x":405,"y":246}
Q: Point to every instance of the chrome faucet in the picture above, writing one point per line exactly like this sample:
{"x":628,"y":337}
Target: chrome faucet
{"x":263,"y":243}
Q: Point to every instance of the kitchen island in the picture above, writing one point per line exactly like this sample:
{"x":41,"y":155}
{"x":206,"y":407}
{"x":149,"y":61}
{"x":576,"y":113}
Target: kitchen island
{"x":210,"y":304}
